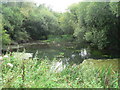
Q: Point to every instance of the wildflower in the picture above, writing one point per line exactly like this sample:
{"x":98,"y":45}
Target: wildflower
{"x":6,"y":56}
{"x":9,"y":64}
{"x":77,"y":78}
{"x":1,"y":57}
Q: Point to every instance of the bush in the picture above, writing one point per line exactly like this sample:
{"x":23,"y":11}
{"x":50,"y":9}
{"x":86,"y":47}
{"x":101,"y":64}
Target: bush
{"x":5,"y":38}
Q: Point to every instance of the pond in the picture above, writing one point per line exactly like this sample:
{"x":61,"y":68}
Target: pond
{"x":68,"y":51}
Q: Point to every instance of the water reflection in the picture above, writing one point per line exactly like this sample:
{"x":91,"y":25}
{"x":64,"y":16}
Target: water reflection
{"x":73,"y":56}
{"x":67,"y":53}
{"x":84,"y":53}
{"x":64,"y":54}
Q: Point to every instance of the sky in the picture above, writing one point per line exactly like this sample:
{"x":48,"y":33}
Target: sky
{"x":57,"y":5}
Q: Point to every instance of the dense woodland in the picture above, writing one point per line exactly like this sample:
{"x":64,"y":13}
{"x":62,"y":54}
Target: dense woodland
{"x":95,"y":23}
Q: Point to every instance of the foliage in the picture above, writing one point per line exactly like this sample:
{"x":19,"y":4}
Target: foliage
{"x":12,"y":23}
{"x":96,"y":23}
{"x":65,"y":24}
{"x":5,"y":38}
{"x":25,"y":21}
{"x":41,"y":23}
{"x":37,"y":75}
{"x":115,"y":8}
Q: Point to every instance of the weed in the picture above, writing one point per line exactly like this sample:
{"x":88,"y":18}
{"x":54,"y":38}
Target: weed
{"x":34,"y":73}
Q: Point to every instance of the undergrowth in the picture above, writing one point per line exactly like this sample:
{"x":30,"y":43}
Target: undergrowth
{"x":34,"y":73}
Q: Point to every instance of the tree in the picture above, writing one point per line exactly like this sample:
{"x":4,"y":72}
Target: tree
{"x":12,"y":21}
{"x":4,"y":37}
{"x":96,"y":23}
{"x":41,"y":23}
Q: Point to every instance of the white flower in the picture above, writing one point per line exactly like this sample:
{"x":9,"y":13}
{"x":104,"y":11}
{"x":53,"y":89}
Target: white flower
{"x":10,"y":65}
{"x":1,"y":57}
{"x":6,"y":56}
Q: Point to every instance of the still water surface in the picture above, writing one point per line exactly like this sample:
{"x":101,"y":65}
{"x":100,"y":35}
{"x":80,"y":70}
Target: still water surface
{"x":67,"y":53}
{"x":64,"y":51}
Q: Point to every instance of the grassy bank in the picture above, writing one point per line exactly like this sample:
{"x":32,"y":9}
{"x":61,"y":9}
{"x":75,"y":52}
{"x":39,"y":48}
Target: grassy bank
{"x":59,"y":38}
{"x":36,"y":74}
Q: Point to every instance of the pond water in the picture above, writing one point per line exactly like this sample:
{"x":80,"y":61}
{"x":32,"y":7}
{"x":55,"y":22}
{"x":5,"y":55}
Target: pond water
{"x":61,"y":51}
{"x":67,"y":51}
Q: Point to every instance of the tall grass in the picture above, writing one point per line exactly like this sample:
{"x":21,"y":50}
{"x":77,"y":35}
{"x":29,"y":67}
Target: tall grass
{"x":36,"y":74}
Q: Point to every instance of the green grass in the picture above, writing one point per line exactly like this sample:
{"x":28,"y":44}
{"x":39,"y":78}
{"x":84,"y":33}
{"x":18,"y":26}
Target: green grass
{"x":58,"y":38}
{"x":36,"y":74}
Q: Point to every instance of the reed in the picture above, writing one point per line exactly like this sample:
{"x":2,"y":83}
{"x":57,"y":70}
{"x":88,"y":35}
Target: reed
{"x":34,"y":73}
